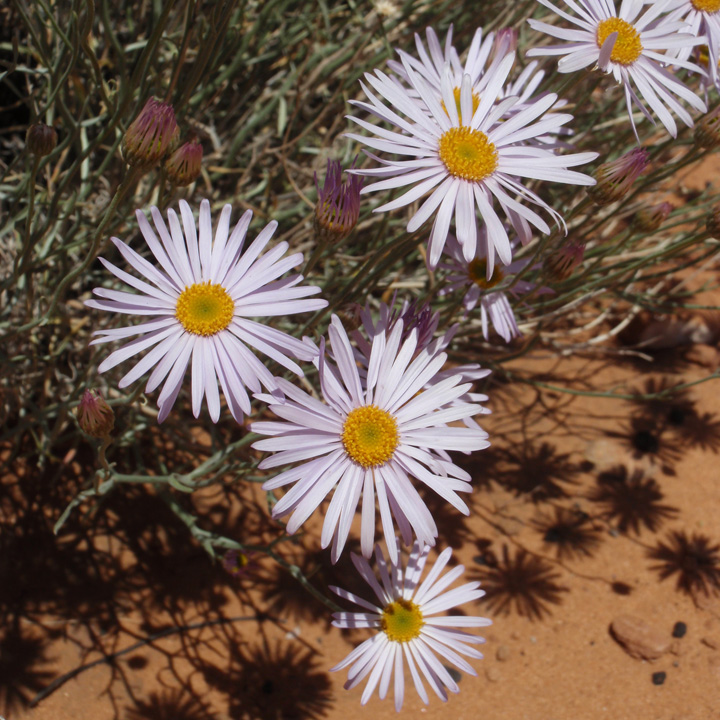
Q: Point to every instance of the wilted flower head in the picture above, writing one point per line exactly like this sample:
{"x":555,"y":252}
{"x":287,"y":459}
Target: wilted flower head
{"x":184,"y":165}
{"x":151,"y":135}
{"x":615,"y":178}
{"x":94,"y":415}
{"x":41,"y":139}
{"x":561,"y":264}
{"x":338,"y":204}
{"x":650,"y":219}
{"x":707,"y":130}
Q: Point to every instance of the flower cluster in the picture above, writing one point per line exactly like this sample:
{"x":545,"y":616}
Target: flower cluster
{"x":373,"y":426}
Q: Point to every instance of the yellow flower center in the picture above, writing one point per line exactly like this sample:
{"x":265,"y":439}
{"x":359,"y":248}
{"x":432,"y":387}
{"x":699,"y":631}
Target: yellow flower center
{"x":708,"y":6}
{"x":370,"y":435}
{"x":627,"y":46}
{"x":401,"y":620}
{"x":456,"y":94}
{"x":467,"y":153}
{"x":477,"y":270}
{"x":204,"y":308}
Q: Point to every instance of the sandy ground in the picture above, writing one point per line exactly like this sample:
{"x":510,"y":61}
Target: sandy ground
{"x":570,"y":504}
{"x":585,"y":509}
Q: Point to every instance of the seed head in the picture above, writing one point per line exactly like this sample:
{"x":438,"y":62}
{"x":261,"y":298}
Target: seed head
{"x":94,"y":415}
{"x":151,"y":135}
{"x":184,"y":165}
{"x":338,"y":205}
{"x":41,"y":139}
{"x":614,"y":179}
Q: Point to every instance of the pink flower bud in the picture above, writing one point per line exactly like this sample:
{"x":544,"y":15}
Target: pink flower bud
{"x":650,"y":219}
{"x":707,"y":130}
{"x":184,"y":165}
{"x":563,"y":262}
{"x":338,"y":205}
{"x":614,"y":179}
{"x":151,"y":135}
{"x":94,"y":415}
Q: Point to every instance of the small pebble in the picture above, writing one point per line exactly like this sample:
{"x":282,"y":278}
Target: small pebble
{"x":492,"y":674}
{"x":679,"y":630}
{"x":503,"y":653}
{"x":658,"y":678}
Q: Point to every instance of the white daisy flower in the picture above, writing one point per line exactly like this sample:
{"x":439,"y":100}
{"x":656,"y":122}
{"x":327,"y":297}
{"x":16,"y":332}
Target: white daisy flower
{"x":703,"y":21}
{"x":410,"y":627}
{"x":201,"y":299}
{"x":374,"y":432}
{"x":421,"y":318}
{"x":467,"y":159}
{"x":628,"y":43}
{"x":495,"y":308}
{"x":433,"y":61}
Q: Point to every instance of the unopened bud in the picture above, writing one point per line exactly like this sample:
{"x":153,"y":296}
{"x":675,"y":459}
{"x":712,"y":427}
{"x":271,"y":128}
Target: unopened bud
{"x":41,"y":139}
{"x":184,"y":165}
{"x":707,"y":130}
{"x":712,"y":222}
{"x":614,"y":179}
{"x":563,"y":262}
{"x":506,"y":41}
{"x":151,"y":135}
{"x":338,"y":205}
{"x":650,"y":219}
{"x":94,"y":415}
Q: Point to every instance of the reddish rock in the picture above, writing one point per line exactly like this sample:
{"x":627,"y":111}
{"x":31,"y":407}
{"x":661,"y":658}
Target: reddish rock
{"x":639,"y":639}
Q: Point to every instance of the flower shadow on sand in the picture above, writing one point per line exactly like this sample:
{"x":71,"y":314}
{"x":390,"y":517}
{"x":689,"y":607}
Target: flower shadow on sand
{"x":22,"y":675}
{"x":524,"y":582}
{"x":170,"y":705}
{"x":694,"y":559}
{"x":279,"y":681}
{"x":535,"y":471}
{"x":630,"y":501}
{"x":570,"y":532}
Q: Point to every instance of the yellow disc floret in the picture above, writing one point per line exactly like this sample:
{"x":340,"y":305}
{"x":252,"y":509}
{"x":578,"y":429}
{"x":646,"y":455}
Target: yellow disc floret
{"x":467,"y":153}
{"x":477,"y":271}
{"x":708,"y":6}
{"x":401,"y":620}
{"x":370,"y":435}
{"x":456,"y":94}
{"x":204,"y":308}
{"x":627,"y":48}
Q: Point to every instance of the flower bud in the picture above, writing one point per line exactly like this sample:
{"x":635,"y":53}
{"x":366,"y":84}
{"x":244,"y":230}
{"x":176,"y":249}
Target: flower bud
{"x":707,"y":130}
{"x":712,"y":222}
{"x":338,"y":205}
{"x":184,"y":165}
{"x":151,"y":135}
{"x":94,"y":415}
{"x":614,"y":179}
{"x":505,"y":42}
{"x":563,"y":262}
{"x":650,"y":219}
{"x":41,"y":139}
